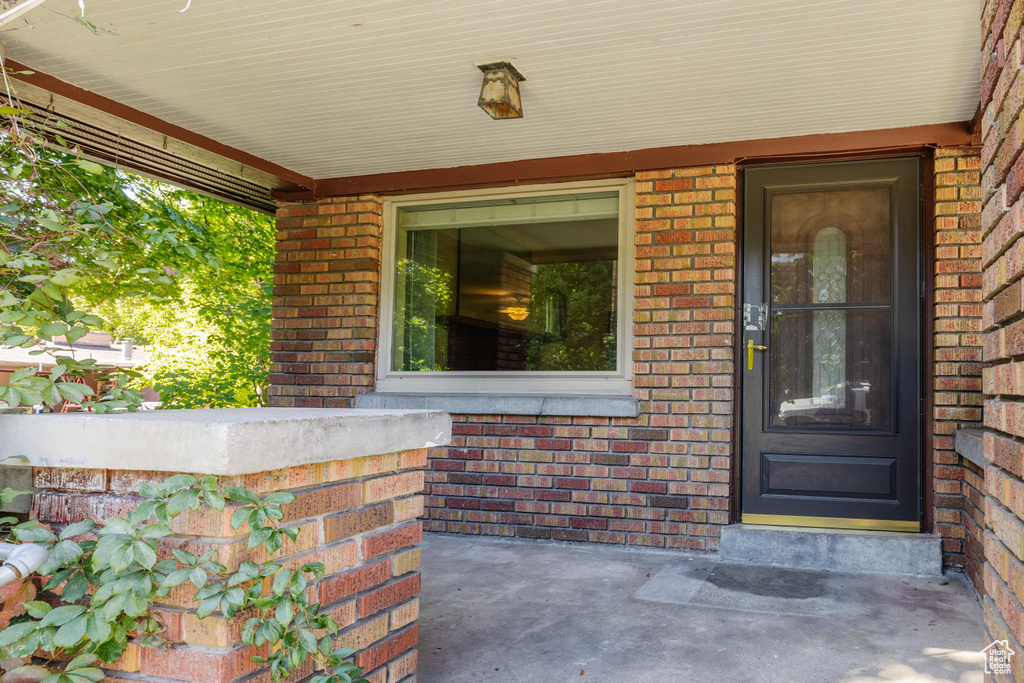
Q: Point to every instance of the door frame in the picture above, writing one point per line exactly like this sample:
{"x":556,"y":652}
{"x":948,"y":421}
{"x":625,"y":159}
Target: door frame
{"x":926,"y":255}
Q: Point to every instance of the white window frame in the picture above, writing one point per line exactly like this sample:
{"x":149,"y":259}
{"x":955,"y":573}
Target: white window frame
{"x":511,"y":382}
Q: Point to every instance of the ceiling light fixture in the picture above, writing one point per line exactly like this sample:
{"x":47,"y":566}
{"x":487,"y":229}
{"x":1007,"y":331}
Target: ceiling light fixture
{"x":517,"y":313}
{"x":499,"y":95}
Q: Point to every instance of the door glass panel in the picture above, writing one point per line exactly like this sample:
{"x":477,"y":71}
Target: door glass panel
{"x":805,"y":254}
{"x":830,"y":346}
{"x":830,"y":369}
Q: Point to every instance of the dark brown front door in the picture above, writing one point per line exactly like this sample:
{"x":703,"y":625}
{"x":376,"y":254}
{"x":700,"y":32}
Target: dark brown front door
{"x":831,"y":338}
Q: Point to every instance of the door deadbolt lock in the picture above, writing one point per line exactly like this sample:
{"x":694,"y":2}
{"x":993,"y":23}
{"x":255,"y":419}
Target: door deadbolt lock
{"x":751,"y":346}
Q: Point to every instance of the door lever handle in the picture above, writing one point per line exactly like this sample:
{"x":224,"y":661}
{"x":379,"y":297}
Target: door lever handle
{"x":750,"y":352}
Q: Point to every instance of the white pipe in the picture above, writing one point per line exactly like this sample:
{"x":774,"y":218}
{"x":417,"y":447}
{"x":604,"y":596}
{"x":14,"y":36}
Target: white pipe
{"x":27,"y":558}
{"x":15,"y":12}
{"x":7,"y":575}
{"x":20,"y":560}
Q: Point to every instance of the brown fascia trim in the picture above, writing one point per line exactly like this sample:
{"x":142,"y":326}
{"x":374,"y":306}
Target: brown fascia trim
{"x":976,"y":125}
{"x":618,"y":164}
{"x":122,"y":111}
{"x":552,"y":169}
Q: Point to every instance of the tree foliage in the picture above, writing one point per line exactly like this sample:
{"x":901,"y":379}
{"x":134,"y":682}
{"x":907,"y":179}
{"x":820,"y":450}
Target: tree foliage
{"x":585,"y":338}
{"x":209,"y":346}
{"x":84,"y":247}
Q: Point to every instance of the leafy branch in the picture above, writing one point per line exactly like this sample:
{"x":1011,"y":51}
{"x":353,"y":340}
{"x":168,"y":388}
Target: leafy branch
{"x":81,"y":243}
{"x":117,"y":566}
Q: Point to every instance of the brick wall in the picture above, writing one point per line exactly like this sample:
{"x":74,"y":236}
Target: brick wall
{"x":1003,"y":265}
{"x":327,"y":274}
{"x":358,"y":517}
{"x":956,"y":483}
{"x":662,"y":479}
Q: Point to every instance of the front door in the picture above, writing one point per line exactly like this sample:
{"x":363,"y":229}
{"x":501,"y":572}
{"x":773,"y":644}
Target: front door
{"x":831,"y":340}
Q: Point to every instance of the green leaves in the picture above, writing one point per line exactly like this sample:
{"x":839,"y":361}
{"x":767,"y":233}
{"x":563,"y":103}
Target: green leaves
{"x":144,"y":552}
{"x":7,"y":495}
{"x":243,"y":495}
{"x":259,"y":515}
{"x":62,"y":554}
{"x":89,"y":166}
{"x":74,"y":245}
{"x":211,"y":495}
{"x":125,"y":575}
{"x":70,"y":633}
{"x":76,"y":333}
{"x":66,"y":277}
{"x":77,"y":529}
{"x":32,"y":673}
{"x":62,"y":615}
{"x":16,"y":632}
{"x":31,"y":532}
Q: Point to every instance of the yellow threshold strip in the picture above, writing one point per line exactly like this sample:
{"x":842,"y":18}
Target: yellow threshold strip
{"x":832,"y":522}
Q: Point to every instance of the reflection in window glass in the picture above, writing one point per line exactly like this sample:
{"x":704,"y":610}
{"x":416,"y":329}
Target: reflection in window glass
{"x":507,"y":285}
{"x":861,"y":400}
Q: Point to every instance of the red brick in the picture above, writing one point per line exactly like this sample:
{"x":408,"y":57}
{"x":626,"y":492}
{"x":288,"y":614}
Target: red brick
{"x":388,"y":596}
{"x":388,"y":650}
{"x":361,"y":520}
{"x":390,"y":540}
{"x":185,"y":663}
{"x":341,"y":586}
{"x":684,"y":337}
{"x":394,"y":486}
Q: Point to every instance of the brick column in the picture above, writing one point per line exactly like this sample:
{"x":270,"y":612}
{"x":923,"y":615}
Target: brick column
{"x":684,"y":310}
{"x":356,"y":477}
{"x":326,"y":302}
{"x":1003,"y":266}
{"x":957,"y":339}
{"x":358,"y":517}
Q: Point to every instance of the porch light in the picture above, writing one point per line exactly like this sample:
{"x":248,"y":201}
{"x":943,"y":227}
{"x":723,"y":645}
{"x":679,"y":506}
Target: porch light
{"x":499,"y":95}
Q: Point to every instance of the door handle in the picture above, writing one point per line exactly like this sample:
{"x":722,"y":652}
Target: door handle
{"x":750,"y":352}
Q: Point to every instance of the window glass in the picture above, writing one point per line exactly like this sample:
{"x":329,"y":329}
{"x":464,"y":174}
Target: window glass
{"x":523,"y":284}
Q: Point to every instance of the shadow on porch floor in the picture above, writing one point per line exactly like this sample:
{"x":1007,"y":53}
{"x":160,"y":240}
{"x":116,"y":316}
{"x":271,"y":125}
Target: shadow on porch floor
{"x":512,"y":610}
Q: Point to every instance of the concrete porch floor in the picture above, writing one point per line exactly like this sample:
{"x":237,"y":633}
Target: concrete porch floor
{"x":513,"y":610}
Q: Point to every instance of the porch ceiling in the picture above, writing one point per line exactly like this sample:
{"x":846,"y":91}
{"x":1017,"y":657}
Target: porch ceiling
{"x":328,"y":88}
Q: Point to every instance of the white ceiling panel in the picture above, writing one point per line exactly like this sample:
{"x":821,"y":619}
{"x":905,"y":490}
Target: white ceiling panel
{"x":333,"y":88}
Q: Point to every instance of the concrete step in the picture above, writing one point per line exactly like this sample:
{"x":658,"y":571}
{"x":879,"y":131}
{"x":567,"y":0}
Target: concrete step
{"x":838,"y":550}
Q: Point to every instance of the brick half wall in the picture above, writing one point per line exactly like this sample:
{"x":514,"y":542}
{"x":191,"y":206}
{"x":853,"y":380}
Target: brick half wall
{"x":358,"y":517}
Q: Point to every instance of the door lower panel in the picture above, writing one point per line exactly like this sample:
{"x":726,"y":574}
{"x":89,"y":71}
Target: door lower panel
{"x":828,"y":475}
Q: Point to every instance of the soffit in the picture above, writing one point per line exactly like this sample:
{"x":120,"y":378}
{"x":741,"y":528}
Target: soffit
{"x":329,"y":88}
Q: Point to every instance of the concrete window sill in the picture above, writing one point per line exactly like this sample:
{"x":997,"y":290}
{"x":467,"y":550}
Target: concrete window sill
{"x":970,"y":443}
{"x":585,"y":405}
